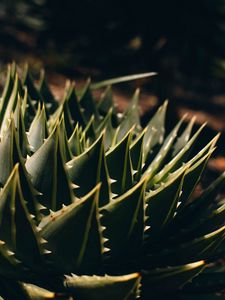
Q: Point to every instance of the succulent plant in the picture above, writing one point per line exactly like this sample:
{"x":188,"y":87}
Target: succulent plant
{"x":93,"y":206}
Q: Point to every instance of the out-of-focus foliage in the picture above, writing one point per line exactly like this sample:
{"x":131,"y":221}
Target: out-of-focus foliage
{"x":187,"y":36}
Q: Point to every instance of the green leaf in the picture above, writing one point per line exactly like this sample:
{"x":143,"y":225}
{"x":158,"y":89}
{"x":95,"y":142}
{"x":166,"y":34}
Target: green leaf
{"x":8,"y":87}
{"x":89,"y":130}
{"x":73,"y":235}
{"x":28,"y":109}
{"x":10,"y":152}
{"x":106,"y":125}
{"x":74,"y":107}
{"x":28,"y":81}
{"x":94,"y":163}
{"x":166,"y":280}
{"x":162,"y":202}
{"x":161,"y":155}
{"x":104,"y":287}
{"x":106,"y":102}
{"x":136,"y":154}
{"x":76,"y":147}
{"x":88,"y":104}
{"x":38,"y":131}
{"x":10,"y":106}
{"x":63,"y":140}
{"x":122,"y":172}
{"x":182,"y":156}
{"x":124,"y":222}
{"x":184,"y":138}
{"x":155,"y":130}
{"x":204,"y":200}
{"x":116,"y":80}
{"x":17,"y":228}
{"x":130,"y":119}
{"x":192,"y":178}
{"x":12,"y":289}
{"x":36,"y":293}
{"x":196,"y":249}
{"x":20,"y":129}
{"x":48,"y":173}
{"x":46,"y":93}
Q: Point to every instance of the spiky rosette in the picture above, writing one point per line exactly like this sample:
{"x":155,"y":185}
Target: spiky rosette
{"x":92,"y":205}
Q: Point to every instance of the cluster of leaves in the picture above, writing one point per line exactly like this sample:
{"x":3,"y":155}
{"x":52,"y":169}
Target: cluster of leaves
{"x":86,"y":192}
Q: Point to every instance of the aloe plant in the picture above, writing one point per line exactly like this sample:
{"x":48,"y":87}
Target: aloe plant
{"x":93,"y":206}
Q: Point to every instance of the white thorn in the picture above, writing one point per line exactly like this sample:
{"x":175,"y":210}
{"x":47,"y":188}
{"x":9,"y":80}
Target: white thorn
{"x":10,"y":253}
{"x":114,"y":195}
{"x":74,"y":186}
{"x":105,"y":249}
{"x":111,"y":180}
{"x":47,"y":251}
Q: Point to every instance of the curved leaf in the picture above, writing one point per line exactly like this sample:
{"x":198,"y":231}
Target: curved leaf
{"x":38,"y":131}
{"x":124,"y":220}
{"x":104,"y":287}
{"x":73,"y":235}
{"x":116,"y":80}
{"x":166,"y":280}
{"x":88,"y":169}
{"x":48,"y":173}
{"x":122,"y":172}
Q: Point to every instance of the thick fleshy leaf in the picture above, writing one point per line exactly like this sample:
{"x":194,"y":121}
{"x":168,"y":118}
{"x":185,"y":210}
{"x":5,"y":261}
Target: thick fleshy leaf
{"x":89,"y":130}
{"x":162,"y":202}
{"x":94,"y":163}
{"x":192,"y":178}
{"x":38,"y":131}
{"x":7,"y":87}
{"x":28,"y":109}
{"x":203,"y":202}
{"x":73,"y":235}
{"x":74,"y":107}
{"x":17,"y":228}
{"x":196,"y":249}
{"x":131,"y":118}
{"x":106,"y":125}
{"x":121,"y":172}
{"x":76,"y":147}
{"x":46,"y":93}
{"x":10,"y":154}
{"x":28,"y":81}
{"x":155,"y":131}
{"x":63,"y":140}
{"x":184,"y":138}
{"x":104,"y":287}
{"x":20,"y":129}
{"x":88,"y":104}
{"x":106,"y":102}
{"x":124,"y":222}
{"x":10,"y":106}
{"x":166,"y":280}
{"x":48,"y":173}
{"x":12,"y":289}
{"x":182,"y":156}
{"x":34,"y":292}
{"x":136,"y":154}
{"x":161,"y":155}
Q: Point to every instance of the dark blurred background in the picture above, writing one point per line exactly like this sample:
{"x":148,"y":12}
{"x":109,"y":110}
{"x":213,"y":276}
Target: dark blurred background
{"x":182,"y":40}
